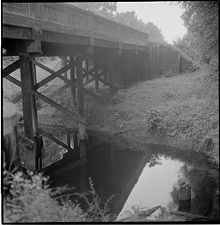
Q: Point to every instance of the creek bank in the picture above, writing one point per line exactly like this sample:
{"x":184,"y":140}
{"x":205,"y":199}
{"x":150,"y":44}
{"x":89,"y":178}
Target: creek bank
{"x":180,"y":111}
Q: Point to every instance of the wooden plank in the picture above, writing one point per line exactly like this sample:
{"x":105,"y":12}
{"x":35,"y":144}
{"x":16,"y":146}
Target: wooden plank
{"x":110,"y":74}
{"x":80,"y":95}
{"x":17,"y":32}
{"x":43,"y":67}
{"x":180,"y":64}
{"x":68,"y":139}
{"x":59,"y":90}
{"x":158,"y":60}
{"x":79,"y":77}
{"x":89,"y":81}
{"x":96,"y":76}
{"x":51,"y":137}
{"x":37,"y":147}
{"x":75,"y":141}
{"x":73,"y":79}
{"x":13,"y":80}
{"x":62,"y":128}
{"x":64,"y":64}
{"x":27,"y":100}
{"x":56,"y":105}
{"x":104,"y":82}
{"x":87,"y":68}
{"x":53,"y":76}
{"x":11,"y":68}
{"x":89,"y":72}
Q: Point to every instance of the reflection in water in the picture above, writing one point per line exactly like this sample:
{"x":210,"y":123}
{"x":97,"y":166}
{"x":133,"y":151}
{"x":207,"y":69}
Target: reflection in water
{"x":146,"y":180}
{"x":154,"y":185}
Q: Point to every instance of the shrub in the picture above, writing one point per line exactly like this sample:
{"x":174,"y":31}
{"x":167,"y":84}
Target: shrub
{"x":29,"y":199}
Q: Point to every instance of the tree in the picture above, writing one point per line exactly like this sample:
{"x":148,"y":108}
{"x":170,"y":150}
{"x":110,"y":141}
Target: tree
{"x":106,"y":9}
{"x":155,"y":34}
{"x":201,"y":20}
{"x":130,"y":19}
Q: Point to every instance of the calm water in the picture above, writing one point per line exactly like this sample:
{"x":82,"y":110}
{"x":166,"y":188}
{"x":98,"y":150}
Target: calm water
{"x":142,"y":179}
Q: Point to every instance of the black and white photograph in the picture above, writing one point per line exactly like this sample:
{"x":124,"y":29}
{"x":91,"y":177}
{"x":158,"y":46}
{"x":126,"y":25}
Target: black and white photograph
{"x":110,"y":112}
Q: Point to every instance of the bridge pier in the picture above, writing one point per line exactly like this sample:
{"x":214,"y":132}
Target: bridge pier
{"x":28,"y":80}
{"x":80,"y":96}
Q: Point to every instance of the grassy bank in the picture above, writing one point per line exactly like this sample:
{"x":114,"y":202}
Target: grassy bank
{"x":180,"y":111}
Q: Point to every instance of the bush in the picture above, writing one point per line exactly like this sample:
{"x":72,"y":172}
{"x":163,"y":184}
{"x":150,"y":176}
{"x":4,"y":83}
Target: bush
{"x":29,"y":199}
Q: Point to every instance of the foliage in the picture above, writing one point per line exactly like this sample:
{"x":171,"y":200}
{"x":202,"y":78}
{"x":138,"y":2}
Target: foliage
{"x":129,"y":18}
{"x":154,"y":121}
{"x":102,"y":8}
{"x":201,"y":40}
{"x":29,"y":199}
{"x":97,"y":211}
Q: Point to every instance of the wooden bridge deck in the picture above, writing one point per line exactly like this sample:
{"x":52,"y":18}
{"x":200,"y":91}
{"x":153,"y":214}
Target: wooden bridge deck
{"x":44,"y":23}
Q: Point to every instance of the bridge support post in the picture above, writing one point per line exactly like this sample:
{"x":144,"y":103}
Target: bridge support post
{"x":29,"y":106}
{"x":158,"y":60}
{"x":81,"y":125}
{"x":129,"y":65}
{"x":148,"y":62}
{"x":96,"y":75}
{"x":73,"y":79}
{"x":110,"y":71}
{"x":180,"y":63}
{"x":123,"y":68}
{"x":63,"y":64}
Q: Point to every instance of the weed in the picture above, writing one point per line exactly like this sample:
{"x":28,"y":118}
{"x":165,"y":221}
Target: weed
{"x":31,"y":200}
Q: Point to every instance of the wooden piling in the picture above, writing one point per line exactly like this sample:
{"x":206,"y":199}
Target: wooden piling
{"x":96,"y":75}
{"x":29,"y":103}
{"x":150,"y":61}
{"x":27,"y":100}
{"x":68,"y":139}
{"x":73,"y":80}
{"x":64,"y":63}
{"x":129,"y":67}
{"x":111,"y":73}
{"x":37,"y":138}
{"x":81,"y":124}
{"x":180,"y":64}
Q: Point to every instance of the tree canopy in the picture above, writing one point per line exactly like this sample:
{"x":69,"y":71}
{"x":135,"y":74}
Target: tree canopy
{"x":106,"y":9}
{"x":129,"y":18}
{"x":201,"y":40}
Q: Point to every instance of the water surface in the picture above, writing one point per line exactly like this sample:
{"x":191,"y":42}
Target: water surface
{"x":142,"y":179}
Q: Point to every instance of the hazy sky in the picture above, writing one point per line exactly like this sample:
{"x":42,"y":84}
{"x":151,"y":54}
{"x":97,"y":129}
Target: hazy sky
{"x":166,"y":17}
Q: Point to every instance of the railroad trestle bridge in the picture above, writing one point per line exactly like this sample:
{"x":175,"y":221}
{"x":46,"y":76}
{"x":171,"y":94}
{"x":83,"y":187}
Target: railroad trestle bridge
{"x":119,"y":54}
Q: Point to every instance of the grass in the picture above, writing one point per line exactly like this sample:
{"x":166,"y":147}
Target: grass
{"x":181,"y":111}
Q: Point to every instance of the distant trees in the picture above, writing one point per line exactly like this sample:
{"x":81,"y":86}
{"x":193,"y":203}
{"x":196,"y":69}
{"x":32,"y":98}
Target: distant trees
{"x":201,"y":40}
{"x":109,"y":10}
{"x":130,"y":19}
{"x":106,"y":9}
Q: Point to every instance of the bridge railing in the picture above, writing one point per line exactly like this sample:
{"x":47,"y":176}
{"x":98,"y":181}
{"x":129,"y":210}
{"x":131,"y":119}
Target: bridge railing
{"x":69,"y":15}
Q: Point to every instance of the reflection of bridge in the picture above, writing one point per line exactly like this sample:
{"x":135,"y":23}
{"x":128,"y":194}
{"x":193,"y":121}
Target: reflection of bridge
{"x":120,"y":55}
{"x":113,"y":172}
